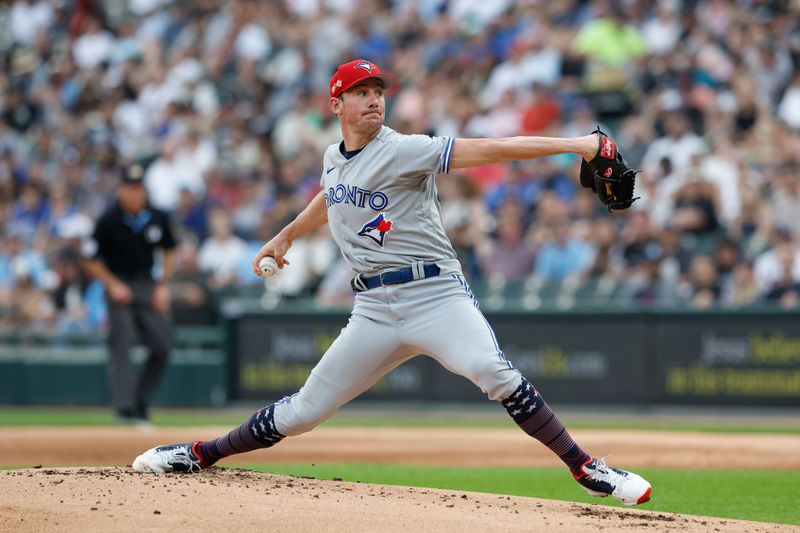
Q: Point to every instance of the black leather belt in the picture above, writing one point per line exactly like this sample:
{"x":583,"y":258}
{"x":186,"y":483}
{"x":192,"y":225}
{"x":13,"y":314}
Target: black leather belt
{"x":393,"y":277}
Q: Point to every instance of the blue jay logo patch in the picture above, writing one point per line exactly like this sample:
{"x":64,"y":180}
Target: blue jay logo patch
{"x":366,"y":65}
{"x":377,"y":228}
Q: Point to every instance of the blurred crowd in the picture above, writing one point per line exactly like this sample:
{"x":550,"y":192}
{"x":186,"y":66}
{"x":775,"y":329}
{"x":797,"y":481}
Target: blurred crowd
{"x":225,"y":102}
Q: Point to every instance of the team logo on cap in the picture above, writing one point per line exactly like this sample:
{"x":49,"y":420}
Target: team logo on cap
{"x":366,"y":65}
{"x":377,"y":228}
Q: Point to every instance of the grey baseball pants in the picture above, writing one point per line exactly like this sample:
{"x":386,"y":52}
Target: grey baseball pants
{"x":129,"y":392}
{"x":389,"y":325}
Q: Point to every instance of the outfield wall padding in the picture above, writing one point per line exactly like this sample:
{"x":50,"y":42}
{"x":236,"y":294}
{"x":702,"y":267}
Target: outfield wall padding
{"x":615,"y":357}
{"x":73,"y":372}
{"x":625,"y":357}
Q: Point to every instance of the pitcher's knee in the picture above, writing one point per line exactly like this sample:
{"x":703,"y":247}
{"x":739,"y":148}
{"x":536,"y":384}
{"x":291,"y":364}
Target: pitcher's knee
{"x":295,"y":415}
{"x":496,"y":383}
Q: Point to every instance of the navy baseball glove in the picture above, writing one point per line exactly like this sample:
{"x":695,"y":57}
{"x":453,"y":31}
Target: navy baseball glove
{"x":609,"y":175}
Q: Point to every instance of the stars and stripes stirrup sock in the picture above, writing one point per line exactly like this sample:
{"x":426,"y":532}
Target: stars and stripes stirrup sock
{"x":258,"y":432}
{"x":534,"y":416}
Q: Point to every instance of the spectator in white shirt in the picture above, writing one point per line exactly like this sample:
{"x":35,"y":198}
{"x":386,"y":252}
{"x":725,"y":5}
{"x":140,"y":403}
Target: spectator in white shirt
{"x":662,"y":31}
{"x":789,"y":108}
{"x":28,"y":18}
{"x":769,"y":267}
{"x":171,"y":173}
{"x":94,"y":46}
{"x":678,"y":145}
{"x":223,"y":252}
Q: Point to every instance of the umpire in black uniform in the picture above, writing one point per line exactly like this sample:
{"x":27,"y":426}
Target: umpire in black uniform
{"x":121,"y":255}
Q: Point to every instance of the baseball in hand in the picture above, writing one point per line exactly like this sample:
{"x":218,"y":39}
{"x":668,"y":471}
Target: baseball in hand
{"x":268,"y":266}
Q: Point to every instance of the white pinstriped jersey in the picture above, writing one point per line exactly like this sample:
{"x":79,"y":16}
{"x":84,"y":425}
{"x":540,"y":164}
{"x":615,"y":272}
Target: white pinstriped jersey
{"x":382,"y":204}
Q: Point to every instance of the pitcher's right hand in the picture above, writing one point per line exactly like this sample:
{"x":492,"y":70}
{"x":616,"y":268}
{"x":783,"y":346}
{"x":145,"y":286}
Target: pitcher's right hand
{"x":275,"y":248}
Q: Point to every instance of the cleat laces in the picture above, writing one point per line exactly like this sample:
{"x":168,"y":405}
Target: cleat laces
{"x":607,"y":474}
{"x":179,"y":455}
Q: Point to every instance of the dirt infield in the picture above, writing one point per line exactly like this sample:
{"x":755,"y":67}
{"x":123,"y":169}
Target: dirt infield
{"x":104,"y":446}
{"x":116,"y":499}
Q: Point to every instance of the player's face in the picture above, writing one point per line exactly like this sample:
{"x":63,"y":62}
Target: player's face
{"x":362,"y":107}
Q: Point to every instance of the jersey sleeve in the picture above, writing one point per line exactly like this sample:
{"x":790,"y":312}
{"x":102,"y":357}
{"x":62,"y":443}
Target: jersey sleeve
{"x":326,"y":163}
{"x":423,"y":155}
{"x":168,"y":240}
{"x":92,"y":246}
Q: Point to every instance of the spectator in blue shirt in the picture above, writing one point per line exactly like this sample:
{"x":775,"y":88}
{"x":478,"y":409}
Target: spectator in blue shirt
{"x":563,"y":256}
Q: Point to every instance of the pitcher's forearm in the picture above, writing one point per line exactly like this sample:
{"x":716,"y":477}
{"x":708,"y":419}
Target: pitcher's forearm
{"x":312,"y":217}
{"x":476,"y":152}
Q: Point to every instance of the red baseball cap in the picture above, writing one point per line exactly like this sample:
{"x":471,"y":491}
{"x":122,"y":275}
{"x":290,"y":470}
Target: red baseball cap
{"x":348,"y":74}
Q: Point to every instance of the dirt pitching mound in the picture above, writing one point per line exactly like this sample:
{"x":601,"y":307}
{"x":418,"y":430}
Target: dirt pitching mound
{"x":118,"y":499}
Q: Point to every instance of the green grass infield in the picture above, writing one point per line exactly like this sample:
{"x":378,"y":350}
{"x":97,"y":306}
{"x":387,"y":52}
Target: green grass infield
{"x":766,"y":496}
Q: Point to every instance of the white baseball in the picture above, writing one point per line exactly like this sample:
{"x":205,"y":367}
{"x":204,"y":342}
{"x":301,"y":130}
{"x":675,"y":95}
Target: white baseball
{"x":268,"y":266}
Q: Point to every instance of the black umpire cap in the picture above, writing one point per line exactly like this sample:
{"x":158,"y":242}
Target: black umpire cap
{"x":133,"y":174}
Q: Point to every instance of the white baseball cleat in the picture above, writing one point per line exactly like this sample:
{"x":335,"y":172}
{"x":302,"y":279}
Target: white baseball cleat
{"x":171,"y":458}
{"x":599,"y":479}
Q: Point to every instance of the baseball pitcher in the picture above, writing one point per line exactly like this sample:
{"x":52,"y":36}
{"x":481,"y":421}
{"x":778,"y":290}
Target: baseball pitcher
{"x":379,"y":199}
